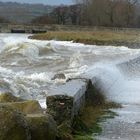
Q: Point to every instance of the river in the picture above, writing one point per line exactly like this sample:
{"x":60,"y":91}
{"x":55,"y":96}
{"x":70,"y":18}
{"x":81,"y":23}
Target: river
{"x":28,"y":69}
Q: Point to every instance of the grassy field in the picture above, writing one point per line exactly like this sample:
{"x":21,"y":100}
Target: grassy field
{"x":130,"y":38}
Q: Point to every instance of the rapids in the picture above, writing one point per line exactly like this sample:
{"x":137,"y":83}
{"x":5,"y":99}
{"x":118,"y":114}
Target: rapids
{"x":28,"y":68}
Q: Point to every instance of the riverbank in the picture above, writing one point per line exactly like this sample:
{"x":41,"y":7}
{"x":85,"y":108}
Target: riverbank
{"x":128,"y":38}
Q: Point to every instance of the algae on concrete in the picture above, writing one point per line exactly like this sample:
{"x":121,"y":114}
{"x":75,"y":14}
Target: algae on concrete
{"x":13,"y":125}
{"x":8,"y":97}
{"x":42,"y":127}
{"x":27,"y":107}
{"x":24,"y":120}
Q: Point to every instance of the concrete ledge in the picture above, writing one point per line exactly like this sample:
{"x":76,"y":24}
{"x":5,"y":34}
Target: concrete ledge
{"x":66,"y":100}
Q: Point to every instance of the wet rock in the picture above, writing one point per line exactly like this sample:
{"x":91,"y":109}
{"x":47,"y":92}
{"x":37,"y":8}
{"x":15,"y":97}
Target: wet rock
{"x":8,"y":97}
{"x":27,"y":107}
{"x":59,"y":76}
{"x":13,"y":125}
{"x":42,"y":127}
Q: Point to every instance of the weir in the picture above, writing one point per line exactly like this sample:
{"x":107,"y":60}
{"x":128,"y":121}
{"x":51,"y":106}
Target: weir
{"x":67,"y":101}
{"x":64,"y":72}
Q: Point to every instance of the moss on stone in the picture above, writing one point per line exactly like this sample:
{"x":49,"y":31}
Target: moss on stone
{"x":27,"y":107}
{"x":89,"y":120}
{"x":8,"y":97}
{"x":96,"y":110}
{"x":86,"y":137}
{"x":42,"y":127}
{"x":13,"y":125}
{"x":60,"y":105}
{"x":64,"y":131}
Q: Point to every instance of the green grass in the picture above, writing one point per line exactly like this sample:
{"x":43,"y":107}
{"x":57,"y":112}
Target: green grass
{"x":86,"y":137}
{"x":106,"y":37}
{"x":87,"y":125}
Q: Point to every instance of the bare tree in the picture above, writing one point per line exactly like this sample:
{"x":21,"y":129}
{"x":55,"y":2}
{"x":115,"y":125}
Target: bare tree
{"x":109,"y":12}
{"x":120,"y":13}
{"x":130,"y":11}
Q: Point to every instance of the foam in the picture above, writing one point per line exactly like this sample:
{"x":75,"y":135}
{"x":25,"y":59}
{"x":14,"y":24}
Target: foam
{"x":43,"y":59}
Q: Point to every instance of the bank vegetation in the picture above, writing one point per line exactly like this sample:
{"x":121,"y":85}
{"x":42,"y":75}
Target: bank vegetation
{"x":98,"y":37}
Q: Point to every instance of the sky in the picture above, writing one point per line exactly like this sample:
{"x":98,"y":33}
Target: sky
{"x":48,"y":2}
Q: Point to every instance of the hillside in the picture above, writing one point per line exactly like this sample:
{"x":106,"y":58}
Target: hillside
{"x":22,"y":13}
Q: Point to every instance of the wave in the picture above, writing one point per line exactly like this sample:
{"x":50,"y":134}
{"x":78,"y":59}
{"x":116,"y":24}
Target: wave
{"x":28,"y":67}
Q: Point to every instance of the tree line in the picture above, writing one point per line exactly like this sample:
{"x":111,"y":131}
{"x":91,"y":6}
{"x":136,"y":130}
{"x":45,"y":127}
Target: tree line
{"x":108,"y":13}
{"x":120,"y":13}
{"x":111,"y":13}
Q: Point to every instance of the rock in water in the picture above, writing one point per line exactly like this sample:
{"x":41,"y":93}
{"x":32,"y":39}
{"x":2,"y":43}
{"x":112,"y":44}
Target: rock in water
{"x":13,"y":125}
{"x":59,"y":76}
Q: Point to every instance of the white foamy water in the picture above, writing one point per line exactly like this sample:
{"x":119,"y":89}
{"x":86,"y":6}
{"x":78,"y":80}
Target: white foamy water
{"x":28,"y":67}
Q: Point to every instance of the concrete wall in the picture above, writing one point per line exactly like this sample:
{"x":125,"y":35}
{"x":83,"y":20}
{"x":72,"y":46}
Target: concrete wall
{"x":65,"y":102}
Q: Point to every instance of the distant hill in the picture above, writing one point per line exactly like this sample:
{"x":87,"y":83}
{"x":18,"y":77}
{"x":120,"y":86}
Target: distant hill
{"x":22,"y":13}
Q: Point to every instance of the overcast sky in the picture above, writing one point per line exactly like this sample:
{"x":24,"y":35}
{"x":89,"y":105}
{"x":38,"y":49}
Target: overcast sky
{"x":48,"y":2}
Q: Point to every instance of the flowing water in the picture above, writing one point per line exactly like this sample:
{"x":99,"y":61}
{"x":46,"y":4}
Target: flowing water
{"x":29,"y":69}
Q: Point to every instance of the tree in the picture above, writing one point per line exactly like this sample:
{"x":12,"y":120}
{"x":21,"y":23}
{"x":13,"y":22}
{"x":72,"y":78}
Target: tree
{"x":109,"y":12}
{"x":130,"y":11}
{"x":45,"y":19}
{"x":119,"y":13}
{"x":60,"y":13}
